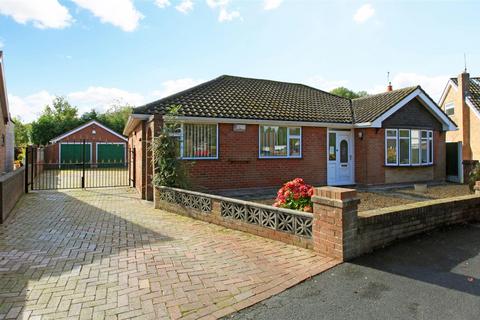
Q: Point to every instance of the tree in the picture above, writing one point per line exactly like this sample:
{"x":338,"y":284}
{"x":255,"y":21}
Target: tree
{"x":116,"y":117}
{"x":55,"y":120}
{"x":22,"y":133}
{"x":347,"y":93}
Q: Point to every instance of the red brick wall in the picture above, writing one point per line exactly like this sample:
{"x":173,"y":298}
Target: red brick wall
{"x":102,"y":135}
{"x":370,"y":156}
{"x":135,"y":141}
{"x":238,"y":165}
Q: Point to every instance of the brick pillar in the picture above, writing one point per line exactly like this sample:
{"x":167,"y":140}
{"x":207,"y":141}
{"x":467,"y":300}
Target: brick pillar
{"x":477,"y":188}
{"x":335,"y":222}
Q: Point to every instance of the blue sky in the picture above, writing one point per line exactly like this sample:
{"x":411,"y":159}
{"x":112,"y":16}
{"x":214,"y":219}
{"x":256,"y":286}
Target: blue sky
{"x":97,"y":53}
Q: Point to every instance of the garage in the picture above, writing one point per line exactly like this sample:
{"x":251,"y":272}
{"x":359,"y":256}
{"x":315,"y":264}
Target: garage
{"x":72,"y":153}
{"x":110,"y":154}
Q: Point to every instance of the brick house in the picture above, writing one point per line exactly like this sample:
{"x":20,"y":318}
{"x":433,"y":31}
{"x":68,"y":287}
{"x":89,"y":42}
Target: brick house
{"x":249,"y":133}
{"x":103,"y":145}
{"x":7,"y":135}
{"x":461,"y":102}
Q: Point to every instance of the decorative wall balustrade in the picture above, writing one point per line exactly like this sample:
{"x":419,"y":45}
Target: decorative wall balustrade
{"x":284,"y":220}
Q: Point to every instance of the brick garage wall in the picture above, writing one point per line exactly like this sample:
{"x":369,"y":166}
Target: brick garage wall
{"x":101,"y":135}
{"x":340,"y":232}
{"x":214,"y":216}
{"x":12,"y":187}
{"x":239,"y":166}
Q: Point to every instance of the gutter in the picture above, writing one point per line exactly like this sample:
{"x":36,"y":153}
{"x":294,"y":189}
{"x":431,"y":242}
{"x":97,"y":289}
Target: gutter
{"x":133,"y":121}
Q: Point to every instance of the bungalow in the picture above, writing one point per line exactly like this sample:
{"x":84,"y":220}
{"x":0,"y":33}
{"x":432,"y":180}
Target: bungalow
{"x":247,"y":133}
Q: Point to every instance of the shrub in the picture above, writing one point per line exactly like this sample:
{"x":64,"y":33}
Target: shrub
{"x":295,"y":194}
{"x":474,"y":176}
{"x":170,"y":170}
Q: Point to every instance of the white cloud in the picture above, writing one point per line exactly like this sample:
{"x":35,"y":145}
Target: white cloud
{"x":325,"y":85}
{"x":228,"y":15}
{"x":217,"y":3}
{"x":162,"y":3}
{"x":271,"y":4}
{"x":101,"y":98}
{"x":44,"y":14}
{"x":185,"y":6}
{"x":173,"y":86}
{"x":120,"y":13}
{"x":364,"y":13}
{"x":433,"y":85}
{"x":30,"y":107}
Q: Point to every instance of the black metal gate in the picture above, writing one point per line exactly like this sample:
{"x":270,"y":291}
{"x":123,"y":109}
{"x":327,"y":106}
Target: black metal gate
{"x":72,"y":165}
{"x":454,"y":162}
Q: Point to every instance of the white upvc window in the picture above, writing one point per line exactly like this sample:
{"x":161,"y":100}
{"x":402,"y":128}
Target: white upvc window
{"x":198,"y":141}
{"x":391,"y":147}
{"x":450,"y":108}
{"x":408,"y":147}
{"x":279,"y":142}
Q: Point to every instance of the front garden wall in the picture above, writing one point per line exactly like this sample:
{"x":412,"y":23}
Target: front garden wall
{"x":289,"y":226}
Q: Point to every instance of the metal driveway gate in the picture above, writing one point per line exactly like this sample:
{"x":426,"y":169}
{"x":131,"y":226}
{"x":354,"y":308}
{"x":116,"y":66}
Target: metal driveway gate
{"x":70,"y":165}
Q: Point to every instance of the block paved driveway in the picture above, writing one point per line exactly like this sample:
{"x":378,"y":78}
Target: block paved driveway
{"x":103,"y":253}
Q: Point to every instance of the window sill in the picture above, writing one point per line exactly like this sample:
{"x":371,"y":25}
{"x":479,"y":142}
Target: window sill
{"x":409,"y":165}
{"x":273,"y":158}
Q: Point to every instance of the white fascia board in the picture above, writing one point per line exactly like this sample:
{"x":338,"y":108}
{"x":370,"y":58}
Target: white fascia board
{"x":446,"y":122}
{"x":450,"y":84}
{"x":261,"y":122}
{"x":85,"y":126}
{"x":133,"y":121}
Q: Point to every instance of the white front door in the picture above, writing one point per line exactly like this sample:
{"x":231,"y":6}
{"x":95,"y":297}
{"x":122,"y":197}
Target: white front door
{"x":340,"y":165}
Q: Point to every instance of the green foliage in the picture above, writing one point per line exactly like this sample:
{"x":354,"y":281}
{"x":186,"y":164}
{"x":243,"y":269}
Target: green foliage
{"x":474,"y":176}
{"x":347,"y":93}
{"x":170,"y":170}
{"x":55,"y":120}
{"x":22,"y":133}
{"x":62,"y":117}
{"x":115,"y":118}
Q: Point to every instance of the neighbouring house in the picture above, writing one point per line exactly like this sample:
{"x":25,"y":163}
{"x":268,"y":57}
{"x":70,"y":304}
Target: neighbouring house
{"x":102,"y":146}
{"x":461,"y":102}
{"x":249,"y":133}
{"x":7,"y":135}
{"x":11,"y":181}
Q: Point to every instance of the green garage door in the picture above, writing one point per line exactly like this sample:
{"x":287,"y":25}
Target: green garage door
{"x":71,"y":154}
{"x":111,"y":154}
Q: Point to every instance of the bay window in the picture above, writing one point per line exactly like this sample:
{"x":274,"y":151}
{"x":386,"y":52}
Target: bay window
{"x":280,"y":142}
{"x":408,"y":147}
{"x":198,"y":141}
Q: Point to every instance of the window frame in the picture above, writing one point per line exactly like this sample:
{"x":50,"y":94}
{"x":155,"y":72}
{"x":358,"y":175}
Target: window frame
{"x":430,"y":147}
{"x":396,"y":147}
{"x":180,"y":135}
{"x":450,"y":106}
{"x":295,"y":136}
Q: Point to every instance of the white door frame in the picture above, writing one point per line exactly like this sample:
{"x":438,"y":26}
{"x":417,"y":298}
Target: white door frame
{"x":331,"y":176}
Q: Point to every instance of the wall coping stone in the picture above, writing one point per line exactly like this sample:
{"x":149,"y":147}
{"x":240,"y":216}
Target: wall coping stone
{"x":7,"y":176}
{"x":334,"y":202}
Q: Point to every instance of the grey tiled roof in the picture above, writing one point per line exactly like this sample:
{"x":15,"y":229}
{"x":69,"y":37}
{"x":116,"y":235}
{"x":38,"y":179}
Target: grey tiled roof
{"x":474,"y":91}
{"x":371,"y":107}
{"x":245,"y":98}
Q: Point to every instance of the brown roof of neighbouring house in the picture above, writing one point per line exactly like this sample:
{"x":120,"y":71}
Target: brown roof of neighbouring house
{"x":246,"y":98}
{"x":473,"y":90}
